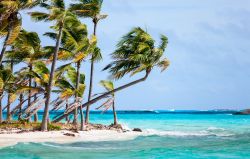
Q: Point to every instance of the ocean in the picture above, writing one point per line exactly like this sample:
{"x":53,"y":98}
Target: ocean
{"x":171,"y":134}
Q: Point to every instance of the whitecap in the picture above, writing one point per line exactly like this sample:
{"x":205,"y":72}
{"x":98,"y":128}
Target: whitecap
{"x":185,"y":133}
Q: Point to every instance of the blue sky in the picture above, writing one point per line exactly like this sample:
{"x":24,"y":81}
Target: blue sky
{"x":208,"y":48}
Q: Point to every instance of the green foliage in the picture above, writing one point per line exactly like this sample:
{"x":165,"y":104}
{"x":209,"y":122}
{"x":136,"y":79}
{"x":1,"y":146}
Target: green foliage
{"x":9,"y":19}
{"x":136,"y":52}
{"x":25,"y":125}
{"x":108,"y":85}
{"x":66,"y":83}
{"x":7,"y":81}
{"x":55,"y":11}
{"x":23,"y":121}
{"x":26,"y":48}
{"x":88,"y":8}
{"x":52,"y":127}
{"x":75,"y":43}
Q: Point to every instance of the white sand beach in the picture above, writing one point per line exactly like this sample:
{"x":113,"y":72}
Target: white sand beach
{"x":59,"y":137}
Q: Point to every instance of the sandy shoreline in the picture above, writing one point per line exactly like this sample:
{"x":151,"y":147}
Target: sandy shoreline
{"x":59,"y":137}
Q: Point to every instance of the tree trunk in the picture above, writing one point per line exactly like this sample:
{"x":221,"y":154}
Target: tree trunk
{"x":82,"y":119}
{"x":5,"y":44}
{"x":20,"y":108}
{"x":114,"y":112}
{"x":106,"y":94}
{"x":77,"y":87}
{"x":91,"y":80}
{"x":76,"y":95}
{"x":67,"y":106}
{"x":44,"y":126}
{"x":36,"y":114}
{"x":1,"y":109}
{"x":30,"y":84}
{"x":9,"y":102}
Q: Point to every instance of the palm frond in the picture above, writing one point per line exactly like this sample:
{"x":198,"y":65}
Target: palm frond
{"x":14,"y":32}
{"x":108,"y":85}
{"x":163,"y":64}
{"x":39,"y":16}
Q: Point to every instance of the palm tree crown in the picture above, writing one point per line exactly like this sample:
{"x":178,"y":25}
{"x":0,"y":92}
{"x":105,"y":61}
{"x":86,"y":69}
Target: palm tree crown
{"x":136,"y":52}
{"x":89,"y":9}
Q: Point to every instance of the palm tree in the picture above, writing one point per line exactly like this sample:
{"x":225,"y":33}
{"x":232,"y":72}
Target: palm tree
{"x":40,"y":73}
{"x":109,"y":86}
{"x":6,"y":85}
{"x":70,"y":85}
{"x":11,"y":21}
{"x":20,"y":83}
{"x":136,"y":52}
{"x":75,"y":46}
{"x":10,"y":95}
{"x":26,"y":48}
{"x":60,"y":14}
{"x":90,"y":9}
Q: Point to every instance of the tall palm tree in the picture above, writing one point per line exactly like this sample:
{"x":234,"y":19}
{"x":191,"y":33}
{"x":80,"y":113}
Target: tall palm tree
{"x":60,"y":14}
{"x":74,"y":46}
{"x":135,"y":53}
{"x":11,"y":21}
{"x":90,"y":9}
{"x":109,"y":86}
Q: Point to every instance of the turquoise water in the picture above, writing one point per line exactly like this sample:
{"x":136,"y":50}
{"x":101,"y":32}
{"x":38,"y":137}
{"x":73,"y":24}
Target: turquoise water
{"x":169,"y":136}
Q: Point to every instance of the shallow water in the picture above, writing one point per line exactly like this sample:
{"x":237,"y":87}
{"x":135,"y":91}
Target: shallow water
{"x":169,"y":136}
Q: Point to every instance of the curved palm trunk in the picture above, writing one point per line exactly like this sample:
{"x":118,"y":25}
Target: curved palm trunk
{"x":91,"y":80}
{"x":9,"y":102}
{"x":106,"y":94}
{"x":114,"y":113}
{"x":20,"y":108}
{"x":44,"y":126}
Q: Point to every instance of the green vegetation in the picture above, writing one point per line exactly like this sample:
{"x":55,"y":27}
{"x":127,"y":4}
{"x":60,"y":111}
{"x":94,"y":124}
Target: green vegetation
{"x":39,"y":75}
{"x":31,"y":126}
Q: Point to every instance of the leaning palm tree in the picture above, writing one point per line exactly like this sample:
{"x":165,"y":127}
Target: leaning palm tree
{"x":90,"y":9}
{"x":109,"y":86}
{"x":135,"y":53}
{"x":20,"y":83}
{"x":60,"y":14}
{"x":11,"y":21}
{"x":40,"y":73}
